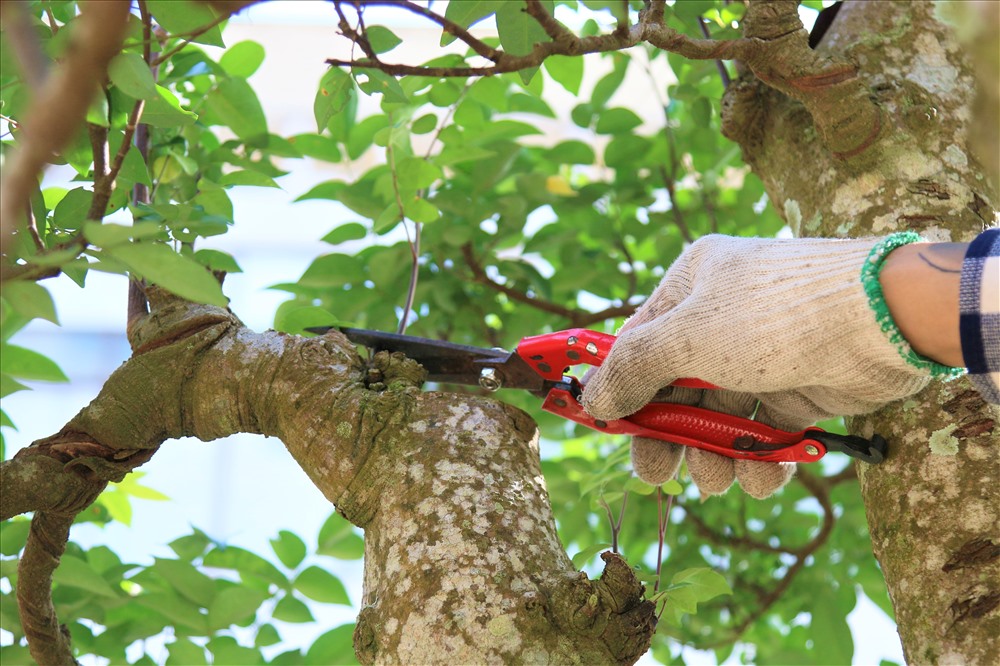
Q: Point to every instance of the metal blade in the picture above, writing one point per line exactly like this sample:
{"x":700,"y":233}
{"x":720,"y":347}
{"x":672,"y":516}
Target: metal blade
{"x":451,"y":363}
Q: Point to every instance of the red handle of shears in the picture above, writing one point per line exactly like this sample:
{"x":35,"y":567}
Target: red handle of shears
{"x":725,"y":434}
{"x":550,"y":353}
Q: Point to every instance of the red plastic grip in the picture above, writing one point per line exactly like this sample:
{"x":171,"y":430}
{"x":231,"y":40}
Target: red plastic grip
{"x":694,"y":426}
{"x":551,"y":353}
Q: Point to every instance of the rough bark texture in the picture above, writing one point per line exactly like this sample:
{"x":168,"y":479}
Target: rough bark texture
{"x":462,"y":560}
{"x":933,"y":506}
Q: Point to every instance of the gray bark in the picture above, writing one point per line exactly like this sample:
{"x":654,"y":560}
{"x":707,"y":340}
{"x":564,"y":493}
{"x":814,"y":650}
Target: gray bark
{"x":933,"y":505}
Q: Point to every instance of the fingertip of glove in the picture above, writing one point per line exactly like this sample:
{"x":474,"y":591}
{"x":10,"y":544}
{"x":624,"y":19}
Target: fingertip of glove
{"x":760,"y":480}
{"x":655,"y":462}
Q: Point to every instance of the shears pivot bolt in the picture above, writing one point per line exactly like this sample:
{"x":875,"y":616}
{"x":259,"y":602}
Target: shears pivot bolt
{"x":812,"y":450}
{"x":489,"y":379}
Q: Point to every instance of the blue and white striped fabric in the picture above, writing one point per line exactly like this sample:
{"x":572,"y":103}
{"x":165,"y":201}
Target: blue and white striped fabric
{"x":979,"y":313}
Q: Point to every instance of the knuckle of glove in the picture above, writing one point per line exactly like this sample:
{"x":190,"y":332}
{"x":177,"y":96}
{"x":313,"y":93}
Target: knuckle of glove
{"x":760,"y":480}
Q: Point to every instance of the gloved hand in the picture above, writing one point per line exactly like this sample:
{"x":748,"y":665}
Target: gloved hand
{"x":798,"y":325}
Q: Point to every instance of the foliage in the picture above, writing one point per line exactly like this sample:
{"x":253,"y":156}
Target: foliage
{"x":518,"y":234}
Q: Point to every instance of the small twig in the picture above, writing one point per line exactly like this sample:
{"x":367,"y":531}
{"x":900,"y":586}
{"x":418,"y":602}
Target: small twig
{"x":53,"y":26}
{"x":189,"y":37}
{"x":675,"y":209}
{"x":33,"y":230}
{"x":719,"y":65}
{"x":553,"y":28}
{"x":663,"y":517}
{"x":611,"y":524}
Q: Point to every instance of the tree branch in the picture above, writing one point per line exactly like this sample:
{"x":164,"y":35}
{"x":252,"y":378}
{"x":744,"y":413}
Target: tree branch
{"x":60,"y":106}
{"x":819,"y":488}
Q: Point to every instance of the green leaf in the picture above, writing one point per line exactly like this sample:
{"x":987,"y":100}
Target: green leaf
{"x":571,"y":152}
{"x":13,"y":536}
{"x":416,"y":173}
{"x":377,"y":81}
{"x":672,"y":487}
{"x":588,"y":554}
{"x":332,"y":270}
{"x":701,"y":582}
{"x":830,"y":632}
{"x":334,"y":647}
{"x":242,"y":59}
{"x":291,"y":609}
{"x":131,"y":74}
{"x":567,"y":71}
{"x":336,"y":89}
{"x":175,"y":273}
{"x":519,"y":32}
{"x":382,"y":39}
{"x":30,"y":300}
{"x":74,"y":572}
{"x":701,"y":112}
{"x":186,"y":580}
{"x":233,"y":605}
{"x":27,"y":364}
{"x":247,"y":177}
{"x":164,"y":110}
{"x":236,"y":105}
{"x":217,"y":261}
{"x":225,"y":650}
{"x":317,"y":146}
{"x":420,"y":210}
{"x":639,"y":487}
{"x":185,"y":653}
{"x":617,"y":121}
{"x":184,"y":18}
{"x":296,"y":320}
{"x":690,"y":11}
{"x":246,"y":563}
{"x":424,"y":124}
{"x":267,"y":635}
{"x":289,"y":548}
{"x":72,"y":209}
{"x":190,"y":546}
{"x":108,"y":234}
{"x":346,"y":232}
{"x":320,"y":585}
{"x":9,"y":385}
{"x":338,"y":539}
{"x":468,"y":12}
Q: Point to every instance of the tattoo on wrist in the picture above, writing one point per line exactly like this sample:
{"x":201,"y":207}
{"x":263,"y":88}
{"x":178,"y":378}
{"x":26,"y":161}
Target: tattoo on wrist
{"x":936,"y":266}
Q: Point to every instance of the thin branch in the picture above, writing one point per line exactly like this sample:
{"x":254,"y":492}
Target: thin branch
{"x":675,"y":209}
{"x":447,"y":25}
{"x":819,"y":489}
{"x":567,"y":44}
{"x":553,"y":28}
{"x":190,"y":36}
{"x":719,"y":65}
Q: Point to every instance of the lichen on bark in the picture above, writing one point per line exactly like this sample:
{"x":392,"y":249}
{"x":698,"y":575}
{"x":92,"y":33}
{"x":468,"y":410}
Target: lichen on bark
{"x":936,"y":492}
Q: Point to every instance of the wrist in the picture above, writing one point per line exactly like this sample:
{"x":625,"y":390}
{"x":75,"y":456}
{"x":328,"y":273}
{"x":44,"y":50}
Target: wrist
{"x":920,"y":285}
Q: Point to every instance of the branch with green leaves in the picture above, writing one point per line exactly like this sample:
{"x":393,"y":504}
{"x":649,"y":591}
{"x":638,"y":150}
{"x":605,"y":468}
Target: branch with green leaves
{"x":775,"y":48}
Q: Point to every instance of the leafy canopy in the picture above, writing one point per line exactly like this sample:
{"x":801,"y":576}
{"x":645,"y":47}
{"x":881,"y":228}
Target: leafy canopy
{"x":522,"y":229}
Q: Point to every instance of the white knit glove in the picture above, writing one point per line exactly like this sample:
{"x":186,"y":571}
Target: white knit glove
{"x":798,"y":325}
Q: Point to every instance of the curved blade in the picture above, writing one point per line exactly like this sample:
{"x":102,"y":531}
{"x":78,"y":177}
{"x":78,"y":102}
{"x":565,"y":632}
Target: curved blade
{"x":447,"y":362}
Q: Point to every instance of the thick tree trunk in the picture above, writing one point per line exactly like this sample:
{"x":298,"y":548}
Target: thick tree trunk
{"x":933,"y":505}
{"x":462,"y":563}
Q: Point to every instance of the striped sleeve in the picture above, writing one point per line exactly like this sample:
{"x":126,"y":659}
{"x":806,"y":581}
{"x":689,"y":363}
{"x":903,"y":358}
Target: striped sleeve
{"x":979,"y":313}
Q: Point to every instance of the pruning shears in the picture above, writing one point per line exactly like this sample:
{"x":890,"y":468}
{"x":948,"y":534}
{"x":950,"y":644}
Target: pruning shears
{"x":538,"y":364}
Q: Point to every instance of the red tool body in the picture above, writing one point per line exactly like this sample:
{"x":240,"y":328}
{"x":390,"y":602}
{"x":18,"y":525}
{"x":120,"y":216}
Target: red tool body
{"x":539,"y":364}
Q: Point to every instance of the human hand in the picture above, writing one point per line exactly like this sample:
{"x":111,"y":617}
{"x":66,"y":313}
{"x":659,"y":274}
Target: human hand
{"x":798,"y":325}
